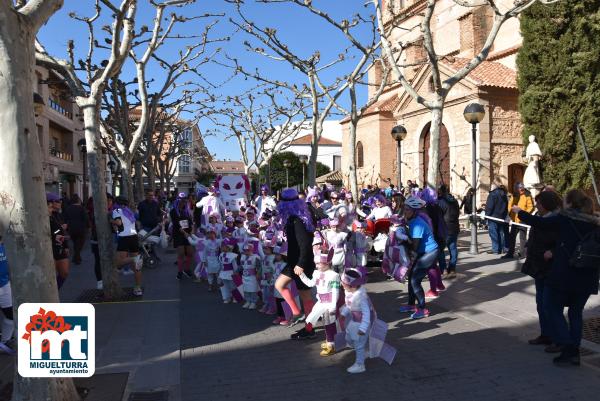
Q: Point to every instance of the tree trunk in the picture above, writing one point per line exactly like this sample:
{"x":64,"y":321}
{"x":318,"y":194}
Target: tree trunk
{"x":91,"y":118}
{"x":317,"y":128}
{"x":268,"y":177}
{"x":151,"y":175}
{"x":352,"y":160}
{"x":24,"y":219}
{"x":126,"y":180}
{"x":352,"y":141}
{"x":139,"y":182}
{"x":434,"y":144}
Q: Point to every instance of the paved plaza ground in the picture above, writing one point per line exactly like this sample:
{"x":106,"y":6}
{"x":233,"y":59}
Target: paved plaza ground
{"x":182,"y":339}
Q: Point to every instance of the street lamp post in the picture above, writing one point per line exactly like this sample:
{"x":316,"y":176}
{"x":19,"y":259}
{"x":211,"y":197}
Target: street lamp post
{"x":304,"y":161}
{"x":474,"y":113}
{"x":398,"y":134}
{"x":287,"y":164}
{"x":83,"y":149}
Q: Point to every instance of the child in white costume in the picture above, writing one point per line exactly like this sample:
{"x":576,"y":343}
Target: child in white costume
{"x":214,"y":224}
{"x":360,"y":247}
{"x":359,"y":317}
{"x":267,"y":280}
{"x":249,"y":267}
{"x":239,"y":233}
{"x":228,"y":265}
{"x":252,"y":238}
{"x":210,"y":257}
{"x":337,"y":241}
{"x":327,"y":282}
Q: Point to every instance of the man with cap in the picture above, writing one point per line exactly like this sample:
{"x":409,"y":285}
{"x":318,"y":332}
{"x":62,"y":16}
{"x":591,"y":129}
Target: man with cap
{"x":522,"y":198}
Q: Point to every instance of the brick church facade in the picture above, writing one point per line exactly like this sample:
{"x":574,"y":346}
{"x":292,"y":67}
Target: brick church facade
{"x":459,"y":33}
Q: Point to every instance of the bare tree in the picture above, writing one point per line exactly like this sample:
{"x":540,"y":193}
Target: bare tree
{"x":24,"y":223}
{"x":168,"y":145}
{"x":263,"y":121}
{"x":368,"y":59}
{"x":310,"y":67}
{"x":387,"y":25}
{"x":87,"y":91}
{"x":126,"y":132}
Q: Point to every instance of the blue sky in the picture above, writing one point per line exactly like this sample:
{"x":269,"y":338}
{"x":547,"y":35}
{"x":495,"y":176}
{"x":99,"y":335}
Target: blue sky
{"x":301,"y":31}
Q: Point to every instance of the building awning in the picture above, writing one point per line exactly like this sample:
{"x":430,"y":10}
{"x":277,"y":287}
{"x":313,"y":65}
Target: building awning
{"x":334,"y":178}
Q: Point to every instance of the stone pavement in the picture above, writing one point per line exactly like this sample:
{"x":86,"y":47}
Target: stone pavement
{"x":472,"y":348}
{"x":182,"y":339}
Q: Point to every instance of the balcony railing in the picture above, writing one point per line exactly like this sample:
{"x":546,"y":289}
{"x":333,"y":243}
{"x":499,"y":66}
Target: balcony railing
{"x":61,"y":155}
{"x":54,"y":105}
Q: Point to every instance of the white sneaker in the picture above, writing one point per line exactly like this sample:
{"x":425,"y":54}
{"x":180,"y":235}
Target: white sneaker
{"x":99,"y":285}
{"x":138,"y":292}
{"x":127,"y":271}
{"x":227,"y":301}
{"x":246,"y":305}
{"x":252,"y":306}
{"x":356,"y":368}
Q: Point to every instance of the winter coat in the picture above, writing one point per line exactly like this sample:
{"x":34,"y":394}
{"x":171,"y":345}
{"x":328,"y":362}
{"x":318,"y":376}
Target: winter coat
{"x":497,"y":204}
{"x":539,"y":242}
{"x":451,"y":210}
{"x":525,"y":202}
{"x":570,"y":225}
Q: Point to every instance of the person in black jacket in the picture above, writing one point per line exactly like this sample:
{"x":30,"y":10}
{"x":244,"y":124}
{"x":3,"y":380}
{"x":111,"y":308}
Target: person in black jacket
{"x":77,"y":224}
{"x":567,"y":286}
{"x":497,"y":206}
{"x":299,"y":230}
{"x":539,"y":259}
{"x":451,"y":210}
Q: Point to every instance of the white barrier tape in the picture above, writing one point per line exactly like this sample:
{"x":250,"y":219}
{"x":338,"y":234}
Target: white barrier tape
{"x":510,"y":223}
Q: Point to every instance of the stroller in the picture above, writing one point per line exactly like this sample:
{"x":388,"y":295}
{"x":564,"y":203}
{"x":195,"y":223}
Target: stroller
{"x":148,"y":240}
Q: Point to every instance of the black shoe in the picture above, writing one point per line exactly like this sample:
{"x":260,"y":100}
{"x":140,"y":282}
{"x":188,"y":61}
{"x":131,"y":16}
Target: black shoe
{"x":303,"y":334}
{"x":188,"y":273}
{"x":568,"y":357}
{"x":507,"y":256}
{"x":540,"y":340}
{"x":179,"y":275}
{"x":553,"y":349}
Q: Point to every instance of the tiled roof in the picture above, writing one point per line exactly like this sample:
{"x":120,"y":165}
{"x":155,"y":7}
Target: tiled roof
{"x":227,"y":167}
{"x":332,"y":177}
{"x":488,"y":73}
{"x":388,"y":104}
{"x":307,"y":139}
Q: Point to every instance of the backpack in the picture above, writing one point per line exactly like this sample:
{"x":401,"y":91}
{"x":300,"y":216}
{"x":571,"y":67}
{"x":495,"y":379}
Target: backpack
{"x":587,"y":252}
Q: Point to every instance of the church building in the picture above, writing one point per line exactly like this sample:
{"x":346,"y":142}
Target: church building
{"x":459,"y":33}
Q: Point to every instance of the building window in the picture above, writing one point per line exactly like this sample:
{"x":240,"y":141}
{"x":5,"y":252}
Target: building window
{"x":184,"y":164}
{"x":337,"y":163}
{"x":360,"y":161}
{"x":186,"y":138}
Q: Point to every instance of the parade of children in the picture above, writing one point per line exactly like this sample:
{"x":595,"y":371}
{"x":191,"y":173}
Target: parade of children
{"x":285,"y":258}
{"x":305,"y":261}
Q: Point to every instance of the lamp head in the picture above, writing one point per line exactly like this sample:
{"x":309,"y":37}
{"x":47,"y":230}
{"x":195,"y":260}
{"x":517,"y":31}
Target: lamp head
{"x":474,"y":113}
{"x":399,"y":133}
